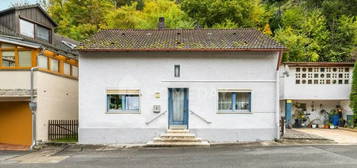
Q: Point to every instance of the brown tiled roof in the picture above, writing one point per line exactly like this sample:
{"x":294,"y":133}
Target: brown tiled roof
{"x":178,"y":39}
{"x":319,"y":64}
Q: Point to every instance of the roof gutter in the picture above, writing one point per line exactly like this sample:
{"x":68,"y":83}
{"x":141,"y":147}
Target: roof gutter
{"x":178,"y":49}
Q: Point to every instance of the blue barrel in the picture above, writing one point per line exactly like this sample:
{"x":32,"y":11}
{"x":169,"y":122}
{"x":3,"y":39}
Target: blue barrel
{"x":335,"y":120}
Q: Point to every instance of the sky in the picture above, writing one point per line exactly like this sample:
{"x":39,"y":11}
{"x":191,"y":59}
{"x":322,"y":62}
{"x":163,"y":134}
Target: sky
{"x":6,"y":3}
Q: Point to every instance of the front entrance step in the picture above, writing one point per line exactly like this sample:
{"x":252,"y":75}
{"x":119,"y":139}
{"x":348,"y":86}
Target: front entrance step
{"x":177,"y":137}
{"x":178,"y":127}
{"x":177,"y":131}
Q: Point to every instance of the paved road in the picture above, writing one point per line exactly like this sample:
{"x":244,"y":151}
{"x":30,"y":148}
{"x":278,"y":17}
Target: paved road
{"x":215,"y":157}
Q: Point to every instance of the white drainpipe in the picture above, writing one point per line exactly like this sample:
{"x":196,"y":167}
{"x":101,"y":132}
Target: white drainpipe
{"x":33,"y":107}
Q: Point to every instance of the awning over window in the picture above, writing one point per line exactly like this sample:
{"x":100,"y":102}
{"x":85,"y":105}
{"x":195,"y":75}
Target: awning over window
{"x":123,"y":91}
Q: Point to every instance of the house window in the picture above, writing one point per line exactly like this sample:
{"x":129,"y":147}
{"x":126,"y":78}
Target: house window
{"x":234,"y":101}
{"x":27,"y":28}
{"x":42,"y":62}
{"x":123,"y":101}
{"x":25,"y":58}
{"x":8,"y":59}
{"x":54,"y":65}
{"x":177,"y":71}
{"x":66,"y":68}
{"x":42,"y":33}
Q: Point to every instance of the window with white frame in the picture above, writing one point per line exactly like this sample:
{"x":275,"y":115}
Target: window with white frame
{"x":27,"y":28}
{"x":33,"y":30}
{"x":234,"y":101}
{"x":123,"y":101}
{"x":322,"y":75}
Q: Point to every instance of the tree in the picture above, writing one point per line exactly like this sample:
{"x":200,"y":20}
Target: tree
{"x":130,"y":17}
{"x":79,"y":19}
{"x":217,"y":13}
{"x":353,"y":96}
{"x":305,"y":34}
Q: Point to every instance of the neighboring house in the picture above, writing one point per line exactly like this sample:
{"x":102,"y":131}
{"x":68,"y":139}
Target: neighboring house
{"x":223,"y":85}
{"x":27,"y":40}
{"x":315,"y":88}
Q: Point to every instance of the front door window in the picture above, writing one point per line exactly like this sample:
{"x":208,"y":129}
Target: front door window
{"x":178,"y":106}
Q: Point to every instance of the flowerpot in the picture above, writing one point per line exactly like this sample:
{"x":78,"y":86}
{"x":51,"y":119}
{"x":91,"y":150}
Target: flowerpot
{"x":326,"y":126}
{"x":314,"y":126}
{"x":332,"y":127}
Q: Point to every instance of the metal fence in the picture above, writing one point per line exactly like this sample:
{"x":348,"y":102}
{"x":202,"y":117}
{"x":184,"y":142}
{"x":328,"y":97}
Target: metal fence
{"x":62,"y":130}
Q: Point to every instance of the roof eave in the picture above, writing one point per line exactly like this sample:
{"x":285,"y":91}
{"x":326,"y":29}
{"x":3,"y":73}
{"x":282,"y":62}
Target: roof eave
{"x":177,"y":49}
{"x":319,"y":64}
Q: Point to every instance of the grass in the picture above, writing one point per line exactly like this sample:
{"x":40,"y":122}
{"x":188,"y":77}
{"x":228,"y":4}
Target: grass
{"x":67,"y":139}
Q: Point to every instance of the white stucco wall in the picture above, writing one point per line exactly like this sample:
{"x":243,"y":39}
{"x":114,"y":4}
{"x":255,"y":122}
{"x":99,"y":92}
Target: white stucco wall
{"x":15,"y":79}
{"x":57,"y":100}
{"x":202,"y":73}
{"x":290,"y":90}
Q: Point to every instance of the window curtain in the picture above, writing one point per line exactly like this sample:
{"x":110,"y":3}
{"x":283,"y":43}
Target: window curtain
{"x":243,"y":101}
{"x":225,"y":101}
{"x":178,"y":104}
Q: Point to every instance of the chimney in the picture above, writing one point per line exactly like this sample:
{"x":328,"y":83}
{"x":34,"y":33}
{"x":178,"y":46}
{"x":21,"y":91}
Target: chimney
{"x":161,"y":24}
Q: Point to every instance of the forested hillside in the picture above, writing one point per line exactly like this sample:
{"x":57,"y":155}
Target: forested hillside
{"x":313,"y":30}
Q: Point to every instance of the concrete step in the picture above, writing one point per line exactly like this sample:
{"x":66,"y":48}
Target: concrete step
{"x":177,"y":140}
{"x":178,"y":127}
{"x":177,"y":131}
{"x":177,"y":135}
{"x":171,"y":144}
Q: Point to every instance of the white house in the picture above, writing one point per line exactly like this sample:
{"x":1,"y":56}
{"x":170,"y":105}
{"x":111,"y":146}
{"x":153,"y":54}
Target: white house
{"x":222,"y":85}
{"x":314,"y":89}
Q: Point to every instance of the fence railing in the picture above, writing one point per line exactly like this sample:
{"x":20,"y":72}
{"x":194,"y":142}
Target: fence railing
{"x":65,"y":130}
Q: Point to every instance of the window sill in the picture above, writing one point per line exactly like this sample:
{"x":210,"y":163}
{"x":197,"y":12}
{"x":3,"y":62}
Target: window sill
{"x":122,"y":112}
{"x":234,"y":112}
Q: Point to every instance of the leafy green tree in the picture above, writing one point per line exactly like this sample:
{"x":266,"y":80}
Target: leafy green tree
{"x":305,"y":34}
{"x":78,"y":19}
{"x":232,"y":13}
{"x":129,"y":17}
{"x":342,"y":40}
{"x":353,"y":96}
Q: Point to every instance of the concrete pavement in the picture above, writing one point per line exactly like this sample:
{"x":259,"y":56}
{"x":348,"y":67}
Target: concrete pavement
{"x":338,"y":135}
{"x":306,"y":156}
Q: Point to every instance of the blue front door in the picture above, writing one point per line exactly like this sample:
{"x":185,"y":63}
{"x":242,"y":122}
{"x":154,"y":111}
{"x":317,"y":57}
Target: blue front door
{"x":178,"y":106}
